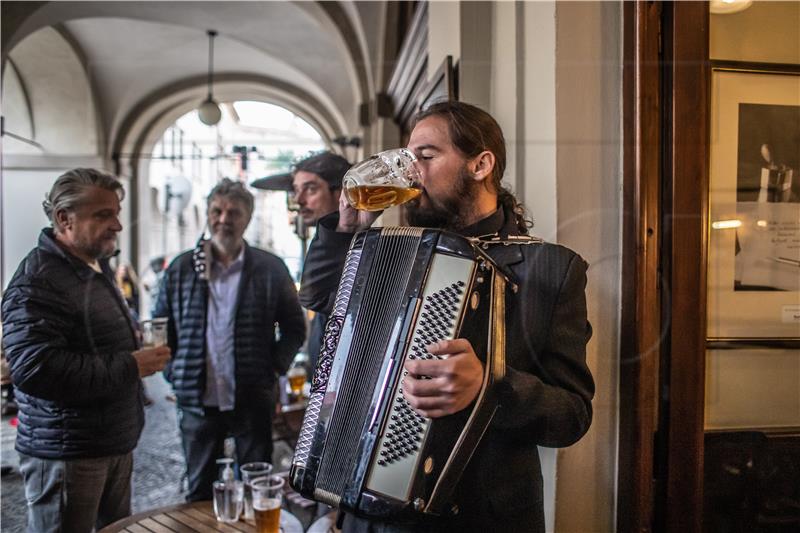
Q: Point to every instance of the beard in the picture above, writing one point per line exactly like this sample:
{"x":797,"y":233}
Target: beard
{"x":225,"y":240}
{"x":100,"y":248}
{"x":449,"y":213}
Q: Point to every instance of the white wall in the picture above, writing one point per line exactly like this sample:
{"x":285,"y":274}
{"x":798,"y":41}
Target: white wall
{"x":589,"y":187}
{"x":540,"y":116}
{"x":23,"y":217}
{"x":444,"y":38}
{"x":50,"y":87}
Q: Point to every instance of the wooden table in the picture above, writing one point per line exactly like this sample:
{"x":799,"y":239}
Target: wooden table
{"x":191,"y":517}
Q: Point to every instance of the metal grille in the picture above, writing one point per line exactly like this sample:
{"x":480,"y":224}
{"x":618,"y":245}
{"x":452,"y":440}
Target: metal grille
{"x":437,"y":321}
{"x":383,"y":291}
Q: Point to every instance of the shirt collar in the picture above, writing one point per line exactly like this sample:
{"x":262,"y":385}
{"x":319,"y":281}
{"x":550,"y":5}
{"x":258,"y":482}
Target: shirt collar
{"x":217,"y":268}
{"x":486,"y":226}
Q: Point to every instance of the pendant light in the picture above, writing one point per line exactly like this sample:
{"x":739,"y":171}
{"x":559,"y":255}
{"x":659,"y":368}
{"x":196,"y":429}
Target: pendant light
{"x":209,"y":112}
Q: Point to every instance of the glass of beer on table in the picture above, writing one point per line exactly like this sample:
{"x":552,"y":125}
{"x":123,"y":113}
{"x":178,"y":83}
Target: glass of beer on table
{"x":251,"y":471}
{"x":267,"y":492}
{"x":383,"y":180}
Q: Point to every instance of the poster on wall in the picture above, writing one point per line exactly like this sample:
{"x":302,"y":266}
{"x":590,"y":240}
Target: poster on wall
{"x":754,"y":241}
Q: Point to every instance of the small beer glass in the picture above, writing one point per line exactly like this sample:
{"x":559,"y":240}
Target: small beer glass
{"x":383,"y":180}
{"x":251,"y":471}
{"x":267,"y":492}
{"x":297,"y":378}
{"x":154,"y":333}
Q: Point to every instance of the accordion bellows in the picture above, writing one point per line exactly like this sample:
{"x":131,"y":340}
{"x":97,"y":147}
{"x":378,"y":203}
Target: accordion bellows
{"x":361,"y":447}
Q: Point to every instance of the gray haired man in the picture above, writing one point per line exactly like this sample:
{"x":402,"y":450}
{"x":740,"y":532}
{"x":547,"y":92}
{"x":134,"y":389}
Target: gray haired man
{"x":75,"y":360}
{"x":234,"y":325}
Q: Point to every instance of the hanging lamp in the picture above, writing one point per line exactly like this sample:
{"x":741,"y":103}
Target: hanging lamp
{"x":209,"y":112}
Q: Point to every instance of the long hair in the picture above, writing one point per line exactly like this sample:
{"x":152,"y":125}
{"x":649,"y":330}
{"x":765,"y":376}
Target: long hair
{"x":472,"y":131}
{"x":69,"y":190}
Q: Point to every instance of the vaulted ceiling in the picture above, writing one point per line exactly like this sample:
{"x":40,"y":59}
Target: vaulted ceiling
{"x":322,"y":54}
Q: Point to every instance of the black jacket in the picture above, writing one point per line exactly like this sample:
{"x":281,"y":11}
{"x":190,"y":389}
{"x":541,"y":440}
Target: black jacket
{"x":68,"y":337}
{"x":266,"y":297}
{"x":545,"y":399}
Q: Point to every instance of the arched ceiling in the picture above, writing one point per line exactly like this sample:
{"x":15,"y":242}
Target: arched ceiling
{"x":134,"y":50}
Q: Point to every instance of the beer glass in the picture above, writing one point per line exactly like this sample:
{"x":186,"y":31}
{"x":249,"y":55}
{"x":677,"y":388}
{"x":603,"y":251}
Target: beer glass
{"x":267,"y":492}
{"x":251,"y":471}
{"x":297,"y":378}
{"x":154,"y":333}
{"x":387,"y":178}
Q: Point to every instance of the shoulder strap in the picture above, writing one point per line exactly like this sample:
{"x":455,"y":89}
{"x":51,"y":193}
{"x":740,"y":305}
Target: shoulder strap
{"x":489,"y":240}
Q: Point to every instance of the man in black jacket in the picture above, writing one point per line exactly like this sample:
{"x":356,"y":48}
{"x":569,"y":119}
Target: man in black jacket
{"x":73,"y":350}
{"x":223,"y":301}
{"x":545,"y":399}
{"x":317,"y":184}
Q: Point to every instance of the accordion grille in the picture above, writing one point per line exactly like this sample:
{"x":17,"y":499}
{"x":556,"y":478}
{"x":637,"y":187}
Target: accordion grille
{"x":383,"y":295}
{"x":305,"y":438}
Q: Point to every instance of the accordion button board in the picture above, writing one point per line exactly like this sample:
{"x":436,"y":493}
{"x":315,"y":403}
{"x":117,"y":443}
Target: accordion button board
{"x":398,"y":451}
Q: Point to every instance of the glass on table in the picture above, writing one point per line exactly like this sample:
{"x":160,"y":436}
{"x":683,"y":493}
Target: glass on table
{"x":267,"y":494}
{"x":228,"y":497}
{"x":251,"y":471}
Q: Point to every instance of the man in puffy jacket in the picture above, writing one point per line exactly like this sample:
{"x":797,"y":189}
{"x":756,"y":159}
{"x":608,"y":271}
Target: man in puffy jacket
{"x":223,"y":301}
{"x":76,"y":363}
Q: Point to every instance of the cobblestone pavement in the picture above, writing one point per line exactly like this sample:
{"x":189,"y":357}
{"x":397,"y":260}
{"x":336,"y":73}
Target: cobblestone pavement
{"x":157,"y":469}
{"x":158,"y":466}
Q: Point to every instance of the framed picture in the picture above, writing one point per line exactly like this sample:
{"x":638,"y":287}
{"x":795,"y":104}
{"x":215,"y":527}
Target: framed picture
{"x":441,"y":86}
{"x":754,"y":203}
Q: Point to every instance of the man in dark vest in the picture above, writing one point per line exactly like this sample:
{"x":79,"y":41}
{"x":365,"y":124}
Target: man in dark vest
{"x":234,"y":325}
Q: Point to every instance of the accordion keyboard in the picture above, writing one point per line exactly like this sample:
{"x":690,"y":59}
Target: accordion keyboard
{"x":403,"y":437}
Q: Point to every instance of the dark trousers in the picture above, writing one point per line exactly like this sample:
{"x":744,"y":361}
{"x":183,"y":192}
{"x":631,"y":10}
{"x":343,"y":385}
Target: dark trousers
{"x":203,"y":435}
{"x":76,"y":495}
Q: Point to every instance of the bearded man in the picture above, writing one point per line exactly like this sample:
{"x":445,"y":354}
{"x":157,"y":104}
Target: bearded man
{"x":223,"y":301}
{"x":545,"y":399}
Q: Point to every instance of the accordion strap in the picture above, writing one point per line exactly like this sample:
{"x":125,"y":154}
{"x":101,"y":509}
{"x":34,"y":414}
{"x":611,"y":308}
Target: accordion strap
{"x":484,"y":241}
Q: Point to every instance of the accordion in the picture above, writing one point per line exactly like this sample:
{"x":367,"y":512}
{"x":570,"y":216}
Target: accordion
{"x":361,"y":447}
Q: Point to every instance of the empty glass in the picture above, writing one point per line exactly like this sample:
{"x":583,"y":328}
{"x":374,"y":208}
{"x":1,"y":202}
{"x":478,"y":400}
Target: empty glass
{"x":267,"y":493}
{"x":228,"y":497}
{"x":251,"y":471}
{"x":385,"y":179}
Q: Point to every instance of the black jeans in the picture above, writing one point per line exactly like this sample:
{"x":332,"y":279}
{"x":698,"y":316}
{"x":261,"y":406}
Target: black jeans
{"x":203,"y":435}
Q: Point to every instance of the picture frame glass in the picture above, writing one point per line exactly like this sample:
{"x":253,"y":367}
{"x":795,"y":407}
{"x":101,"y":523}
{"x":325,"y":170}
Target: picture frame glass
{"x":754,"y":206}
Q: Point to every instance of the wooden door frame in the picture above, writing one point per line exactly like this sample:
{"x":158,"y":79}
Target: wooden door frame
{"x":662,"y":360}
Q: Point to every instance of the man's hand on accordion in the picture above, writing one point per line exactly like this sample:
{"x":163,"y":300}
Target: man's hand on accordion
{"x":440,"y":387}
